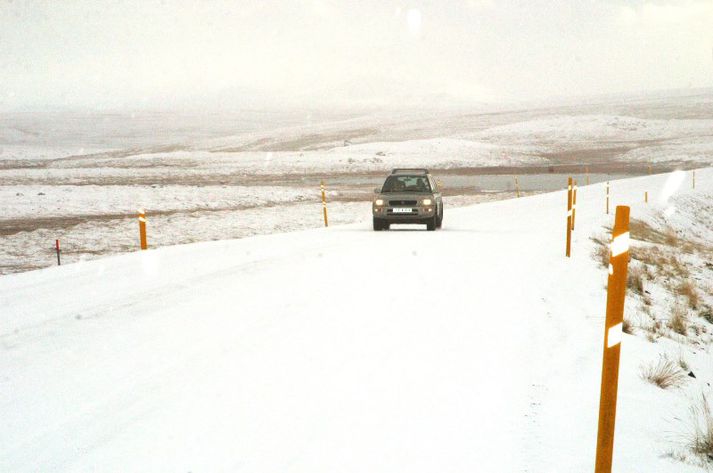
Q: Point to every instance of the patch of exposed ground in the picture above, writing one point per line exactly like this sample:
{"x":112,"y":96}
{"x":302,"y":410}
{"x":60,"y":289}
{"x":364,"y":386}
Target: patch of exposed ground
{"x":306,"y":142}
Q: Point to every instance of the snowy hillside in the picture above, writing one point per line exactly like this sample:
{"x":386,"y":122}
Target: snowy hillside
{"x":225,"y":174}
{"x":474,"y":348}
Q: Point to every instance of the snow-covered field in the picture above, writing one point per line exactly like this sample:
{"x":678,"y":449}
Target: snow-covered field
{"x":206,"y":176}
{"x":474,"y":348}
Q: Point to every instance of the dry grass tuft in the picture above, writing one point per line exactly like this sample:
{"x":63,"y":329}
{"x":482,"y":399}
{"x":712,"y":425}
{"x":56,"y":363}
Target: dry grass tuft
{"x":601,"y":251}
{"x":642,"y":231}
{"x":689,"y":290}
{"x":635,"y":280}
{"x":677,"y":268}
{"x":649,"y":255}
{"x":692,"y":246}
{"x":664,"y":373}
{"x":700,"y":439}
{"x":670,"y":237}
{"x":678,"y":322}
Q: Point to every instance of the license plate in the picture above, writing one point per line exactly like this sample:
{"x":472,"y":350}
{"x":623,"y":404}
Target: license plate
{"x":401,"y":210}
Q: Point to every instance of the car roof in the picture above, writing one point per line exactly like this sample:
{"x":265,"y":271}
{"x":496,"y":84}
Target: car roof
{"x":410,"y":171}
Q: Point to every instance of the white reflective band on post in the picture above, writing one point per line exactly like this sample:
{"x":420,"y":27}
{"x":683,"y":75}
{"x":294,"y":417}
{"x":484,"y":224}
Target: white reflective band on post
{"x":611,"y":269}
{"x":142,"y":219}
{"x":614,"y":335}
{"x":620,"y":244}
{"x":569,"y":213}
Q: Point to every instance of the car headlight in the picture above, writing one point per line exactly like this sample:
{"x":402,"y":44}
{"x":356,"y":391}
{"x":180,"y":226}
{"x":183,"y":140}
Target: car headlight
{"x":426,"y":202}
{"x":379,"y":202}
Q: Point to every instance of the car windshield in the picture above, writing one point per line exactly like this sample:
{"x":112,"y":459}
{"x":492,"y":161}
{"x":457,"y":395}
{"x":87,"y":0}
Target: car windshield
{"x":406,"y":184}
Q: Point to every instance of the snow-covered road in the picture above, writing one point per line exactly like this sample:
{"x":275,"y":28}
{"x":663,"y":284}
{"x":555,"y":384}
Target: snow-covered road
{"x":474,"y":348}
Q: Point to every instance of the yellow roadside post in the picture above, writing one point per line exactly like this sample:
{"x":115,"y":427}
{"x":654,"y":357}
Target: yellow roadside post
{"x":569,"y":217}
{"x":517,"y":187}
{"x":646,"y":197}
{"x":324,"y":204}
{"x":616,"y":292}
{"x":607,"y":197}
{"x":142,"y":229}
{"x":574,"y":203}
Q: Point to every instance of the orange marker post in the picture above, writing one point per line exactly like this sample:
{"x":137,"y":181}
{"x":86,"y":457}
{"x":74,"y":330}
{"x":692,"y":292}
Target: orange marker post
{"x":616,"y":292}
{"x":568,"y":250}
{"x":56,"y":247}
{"x":574,"y":203}
{"x":142,"y":229}
{"x":324,"y":204}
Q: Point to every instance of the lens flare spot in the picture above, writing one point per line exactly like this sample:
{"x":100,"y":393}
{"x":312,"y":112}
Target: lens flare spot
{"x":673,"y":183}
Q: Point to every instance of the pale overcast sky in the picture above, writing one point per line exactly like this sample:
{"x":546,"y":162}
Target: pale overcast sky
{"x":146,"y":53}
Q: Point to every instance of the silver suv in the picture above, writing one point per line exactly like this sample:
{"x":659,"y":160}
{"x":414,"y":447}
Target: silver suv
{"x":408,"y":196}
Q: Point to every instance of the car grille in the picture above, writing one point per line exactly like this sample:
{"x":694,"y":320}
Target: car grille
{"x":402,"y":202}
